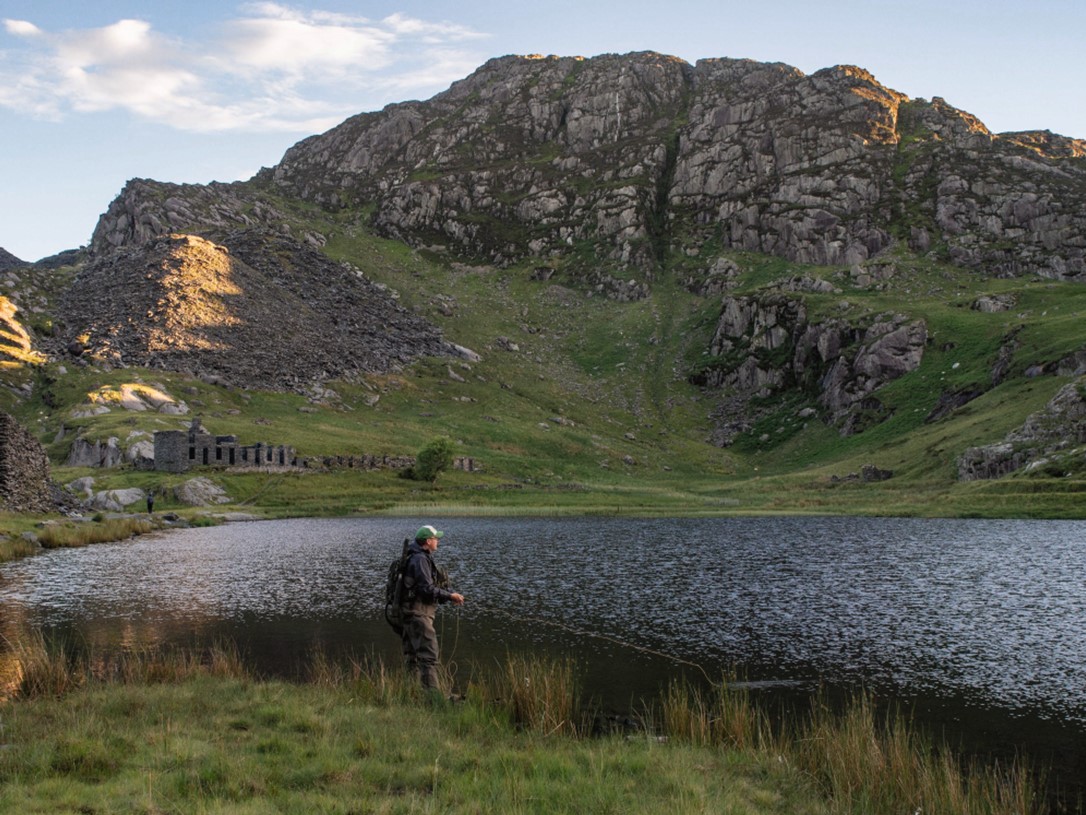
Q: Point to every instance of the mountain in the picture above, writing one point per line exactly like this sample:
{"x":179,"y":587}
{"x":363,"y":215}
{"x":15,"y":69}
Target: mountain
{"x":641,"y":155}
{"x":9,"y":261}
{"x":757,"y":269}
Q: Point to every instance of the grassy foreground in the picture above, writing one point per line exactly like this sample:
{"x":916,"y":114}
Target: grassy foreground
{"x":155,"y":733}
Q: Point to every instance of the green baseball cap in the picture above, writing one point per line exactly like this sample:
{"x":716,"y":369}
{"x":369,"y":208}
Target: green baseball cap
{"x":427,"y":532}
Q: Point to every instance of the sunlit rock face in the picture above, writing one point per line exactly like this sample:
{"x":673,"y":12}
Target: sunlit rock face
{"x":642,"y":154}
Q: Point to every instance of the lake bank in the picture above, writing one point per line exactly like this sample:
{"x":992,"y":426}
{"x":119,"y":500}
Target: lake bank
{"x":183,"y":731}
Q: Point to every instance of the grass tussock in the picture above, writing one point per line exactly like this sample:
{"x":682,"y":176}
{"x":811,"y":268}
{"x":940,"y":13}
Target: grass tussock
{"x":539,"y":695}
{"x":872,"y":764}
{"x":198,"y":729}
{"x":57,"y":536}
{"x":44,"y":668}
{"x":859,"y":762}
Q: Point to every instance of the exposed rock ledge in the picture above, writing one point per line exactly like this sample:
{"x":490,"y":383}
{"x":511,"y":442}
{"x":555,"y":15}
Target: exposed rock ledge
{"x":764,"y":344}
{"x":1049,"y":437}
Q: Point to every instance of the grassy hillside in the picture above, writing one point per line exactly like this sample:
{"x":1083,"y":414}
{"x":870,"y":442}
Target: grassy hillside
{"x":584,"y":404}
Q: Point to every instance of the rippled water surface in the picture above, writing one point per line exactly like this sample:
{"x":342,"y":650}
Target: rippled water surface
{"x":989,"y":614}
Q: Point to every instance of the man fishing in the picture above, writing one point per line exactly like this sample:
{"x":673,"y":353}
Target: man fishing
{"x":425,"y":586}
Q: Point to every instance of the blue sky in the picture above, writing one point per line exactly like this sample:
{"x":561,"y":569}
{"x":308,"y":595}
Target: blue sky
{"x":95,"y":93}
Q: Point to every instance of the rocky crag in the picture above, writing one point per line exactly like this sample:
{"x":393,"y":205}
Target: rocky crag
{"x":1053,"y":438}
{"x":765,"y":345}
{"x":619,"y":160}
{"x":25,"y":485}
{"x":257,"y":310}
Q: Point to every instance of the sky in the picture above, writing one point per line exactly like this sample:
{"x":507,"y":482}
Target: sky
{"x":93,"y":94}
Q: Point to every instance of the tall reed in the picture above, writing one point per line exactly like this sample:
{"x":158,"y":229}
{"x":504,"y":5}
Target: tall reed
{"x":868,"y":763}
{"x":540,"y":695}
{"x":44,"y":669}
{"x":862,"y":764}
{"x":15,"y":547}
{"x":722,"y":716}
{"x":371,"y":678}
{"x":56,"y":668}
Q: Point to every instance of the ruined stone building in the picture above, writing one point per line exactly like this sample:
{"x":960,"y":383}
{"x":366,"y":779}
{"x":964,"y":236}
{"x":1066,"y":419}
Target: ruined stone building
{"x":178,"y":450}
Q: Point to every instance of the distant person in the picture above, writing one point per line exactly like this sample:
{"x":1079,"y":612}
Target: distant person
{"x":150,"y":501}
{"x":425,"y":585}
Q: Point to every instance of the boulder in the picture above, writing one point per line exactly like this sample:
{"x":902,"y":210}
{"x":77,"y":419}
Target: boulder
{"x":141,"y":454}
{"x":116,"y":500}
{"x":200,"y":492}
{"x":84,"y":486}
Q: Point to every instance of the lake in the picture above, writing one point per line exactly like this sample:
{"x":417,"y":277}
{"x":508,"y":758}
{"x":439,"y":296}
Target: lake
{"x":976,"y":626}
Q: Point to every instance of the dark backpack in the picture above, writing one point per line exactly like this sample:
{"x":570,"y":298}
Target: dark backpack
{"x":395,"y":590}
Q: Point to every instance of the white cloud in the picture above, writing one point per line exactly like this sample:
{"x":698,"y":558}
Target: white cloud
{"x":21,"y":28}
{"x":299,"y":47}
{"x":273,"y":67}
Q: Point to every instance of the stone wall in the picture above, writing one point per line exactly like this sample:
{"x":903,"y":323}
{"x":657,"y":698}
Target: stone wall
{"x":366,"y":461}
{"x":24,"y":470}
{"x":178,"y":450}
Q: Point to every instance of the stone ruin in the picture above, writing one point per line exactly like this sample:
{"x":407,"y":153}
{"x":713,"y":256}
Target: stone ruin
{"x":25,"y":484}
{"x":178,"y":450}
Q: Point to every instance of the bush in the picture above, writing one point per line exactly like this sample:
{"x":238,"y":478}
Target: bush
{"x":432,"y":460}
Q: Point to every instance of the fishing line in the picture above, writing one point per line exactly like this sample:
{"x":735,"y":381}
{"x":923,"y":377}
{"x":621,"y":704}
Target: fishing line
{"x":593,"y":634}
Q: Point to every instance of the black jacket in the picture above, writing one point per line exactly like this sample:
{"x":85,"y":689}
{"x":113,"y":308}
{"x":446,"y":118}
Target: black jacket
{"x":421,"y":577}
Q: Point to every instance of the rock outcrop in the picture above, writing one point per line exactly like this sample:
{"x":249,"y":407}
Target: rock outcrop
{"x":256,"y":310}
{"x":764,"y":344}
{"x":621,"y":159}
{"x":146,"y":210}
{"x":96,"y":453}
{"x":200,"y":492}
{"x":1053,"y":438}
{"x":25,"y":484}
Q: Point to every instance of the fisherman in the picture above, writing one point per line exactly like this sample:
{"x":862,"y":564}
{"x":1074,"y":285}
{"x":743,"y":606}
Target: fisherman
{"x":425,"y":586}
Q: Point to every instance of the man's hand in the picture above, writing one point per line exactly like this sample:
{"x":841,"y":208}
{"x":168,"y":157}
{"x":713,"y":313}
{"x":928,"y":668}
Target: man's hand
{"x":456,"y":599}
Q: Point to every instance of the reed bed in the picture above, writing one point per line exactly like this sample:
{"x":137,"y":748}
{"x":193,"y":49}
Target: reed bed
{"x":855,"y":759}
{"x":57,"y":536}
{"x":15,"y":547}
{"x":872,"y":763}
{"x":861,"y":762}
{"x":56,"y":669}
